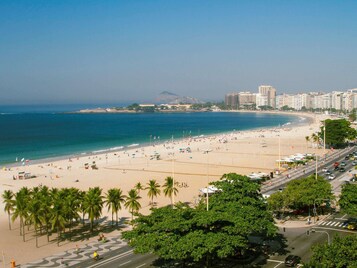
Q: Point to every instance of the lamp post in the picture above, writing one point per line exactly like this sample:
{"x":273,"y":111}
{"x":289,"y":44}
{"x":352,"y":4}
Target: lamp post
{"x":324,"y":139}
{"x":316,"y":168}
{"x":173,"y":168}
{"x":279,"y":154}
{"x":207,"y":200}
{"x":328,"y":235}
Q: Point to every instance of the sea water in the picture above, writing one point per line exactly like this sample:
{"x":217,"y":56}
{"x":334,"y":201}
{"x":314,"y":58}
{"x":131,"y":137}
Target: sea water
{"x":47,"y":133}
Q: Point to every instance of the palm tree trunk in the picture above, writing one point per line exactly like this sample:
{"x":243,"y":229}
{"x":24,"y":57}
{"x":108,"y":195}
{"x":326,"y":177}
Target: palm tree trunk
{"x":36,"y":237}
{"x":112,"y":218}
{"x":23,"y":232}
{"x":58,"y":235}
{"x":116,"y":216}
{"x":9,"y":221}
{"x":20,"y":225}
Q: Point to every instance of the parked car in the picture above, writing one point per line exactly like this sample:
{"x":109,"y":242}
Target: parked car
{"x":292,"y":260}
{"x":331,"y":177}
{"x":324,"y":169}
{"x":354,"y":163}
{"x":347,"y":157}
{"x":352,"y":226}
{"x":343,"y":163}
{"x":328,"y":172}
{"x":342,"y":169}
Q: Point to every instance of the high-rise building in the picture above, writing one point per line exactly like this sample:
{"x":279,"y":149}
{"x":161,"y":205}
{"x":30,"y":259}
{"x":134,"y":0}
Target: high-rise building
{"x":270,"y":92}
{"x":232,"y":100}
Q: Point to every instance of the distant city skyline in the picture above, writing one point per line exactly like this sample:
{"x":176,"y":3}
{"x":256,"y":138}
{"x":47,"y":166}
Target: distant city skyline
{"x":121,"y":51}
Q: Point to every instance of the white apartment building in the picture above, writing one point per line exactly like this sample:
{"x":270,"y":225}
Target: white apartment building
{"x":261,"y":100}
{"x":270,"y":92}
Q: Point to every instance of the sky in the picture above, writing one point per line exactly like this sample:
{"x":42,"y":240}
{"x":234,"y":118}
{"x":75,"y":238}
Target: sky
{"x":116,"y":51}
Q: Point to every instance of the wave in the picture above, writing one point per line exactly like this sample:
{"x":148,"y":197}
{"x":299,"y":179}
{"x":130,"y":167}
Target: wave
{"x":133,"y":145}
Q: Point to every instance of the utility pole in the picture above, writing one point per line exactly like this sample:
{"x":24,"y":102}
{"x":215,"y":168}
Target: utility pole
{"x":173,"y":168}
{"x":207,"y":180}
{"x":316,"y":168}
{"x":325,"y":139}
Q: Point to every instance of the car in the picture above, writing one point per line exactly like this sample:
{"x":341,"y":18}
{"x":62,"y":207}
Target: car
{"x":347,"y":157}
{"x":324,"y":169}
{"x":331,"y":177}
{"x":292,"y":260}
{"x":354,"y":163}
{"x":328,"y":172}
{"x":343,"y":164}
{"x":352,"y":226}
{"x":342,"y":169}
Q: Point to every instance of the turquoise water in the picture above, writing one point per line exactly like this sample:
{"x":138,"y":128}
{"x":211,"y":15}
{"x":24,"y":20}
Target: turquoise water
{"x":47,"y":134}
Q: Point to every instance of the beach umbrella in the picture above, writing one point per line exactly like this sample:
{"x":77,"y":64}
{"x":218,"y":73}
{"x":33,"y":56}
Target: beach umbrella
{"x":23,"y":159}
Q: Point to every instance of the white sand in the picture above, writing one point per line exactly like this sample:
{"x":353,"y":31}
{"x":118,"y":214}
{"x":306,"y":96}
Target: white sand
{"x":243,"y":152}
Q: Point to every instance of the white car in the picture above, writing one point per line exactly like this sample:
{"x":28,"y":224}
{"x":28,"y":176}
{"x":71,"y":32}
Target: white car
{"x":331,"y":177}
{"x":324,"y":169}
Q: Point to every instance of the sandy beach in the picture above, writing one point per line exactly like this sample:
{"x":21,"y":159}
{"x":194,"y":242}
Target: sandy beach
{"x":193,"y":162}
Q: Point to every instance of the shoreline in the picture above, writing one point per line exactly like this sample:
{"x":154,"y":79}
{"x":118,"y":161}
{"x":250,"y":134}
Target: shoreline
{"x":125,"y":147}
{"x":242,"y":152}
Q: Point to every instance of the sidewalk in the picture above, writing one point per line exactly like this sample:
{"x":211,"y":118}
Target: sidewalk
{"x":300,"y":223}
{"x":72,"y":257}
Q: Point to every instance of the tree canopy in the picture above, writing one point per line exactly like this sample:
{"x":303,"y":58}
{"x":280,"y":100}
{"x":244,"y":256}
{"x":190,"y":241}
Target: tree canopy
{"x":338,"y":132}
{"x":186,"y":233}
{"x":340,"y":254}
{"x":301,"y":193}
{"x":348,"y":199}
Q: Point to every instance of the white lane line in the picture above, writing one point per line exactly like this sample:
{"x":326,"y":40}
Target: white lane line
{"x":336,"y":224}
{"x":141,"y":265}
{"x":319,"y":223}
{"x":112,"y":259}
{"x":327,"y":224}
{"x":124,"y":263}
{"x":323,"y":223}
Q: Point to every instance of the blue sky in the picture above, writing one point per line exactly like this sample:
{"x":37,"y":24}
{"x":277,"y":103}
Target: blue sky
{"x":115,"y":51}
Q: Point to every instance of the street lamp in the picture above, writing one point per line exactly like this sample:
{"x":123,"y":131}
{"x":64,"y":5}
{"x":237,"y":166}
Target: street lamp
{"x":207,"y":151}
{"x":313,"y":230}
{"x":173,"y":168}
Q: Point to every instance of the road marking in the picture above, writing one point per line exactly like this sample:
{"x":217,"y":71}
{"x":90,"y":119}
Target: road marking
{"x":111,"y":259}
{"x":337,"y":230}
{"x":124,"y":263}
{"x":323,"y":223}
{"x":279,"y":262}
{"x":141,"y":265}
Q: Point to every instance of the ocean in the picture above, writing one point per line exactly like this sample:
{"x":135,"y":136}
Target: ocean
{"x":47,"y":133}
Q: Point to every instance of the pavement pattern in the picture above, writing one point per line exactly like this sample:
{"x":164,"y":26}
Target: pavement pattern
{"x":73,"y":257}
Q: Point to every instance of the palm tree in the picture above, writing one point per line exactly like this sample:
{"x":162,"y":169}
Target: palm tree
{"x":20,"y":211}
{"x":34,"y":213}
{"x":138,"y":187}
{"x":93,"y":204}
{"x":170,"y":190}
{"x":315,"y":138}
{"x":154,"y":190}
{"x":9,"y":203}
{"x":132,"y":202}
{"x":114,"y":199}
{"x":46,"y":205}
{"x":57,"y":219}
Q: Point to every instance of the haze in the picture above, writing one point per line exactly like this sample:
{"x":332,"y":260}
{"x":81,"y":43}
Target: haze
{"x":115,"y":51}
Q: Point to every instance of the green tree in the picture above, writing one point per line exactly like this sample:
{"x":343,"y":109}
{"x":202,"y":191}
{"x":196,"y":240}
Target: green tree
{"x":169,"y":189}
{"x":340,"y":254}
{"x":153,"y":190}
{"x":132,"y":202}
{"x":8,"y":196}
{"x":34,"y":213}
{"x":58,"y":220}
{"x":20,"y":210}
{"x":338,"y":132}
{"x":139,"y":187}
{"x":114,"y":198}
{"x":307,"y":138}
{"x":236,"y":211}
{"x":348,"y":199}
{"x":93,"y":204}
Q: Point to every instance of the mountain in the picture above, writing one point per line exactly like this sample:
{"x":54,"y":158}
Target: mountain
{"x":172,"y":98}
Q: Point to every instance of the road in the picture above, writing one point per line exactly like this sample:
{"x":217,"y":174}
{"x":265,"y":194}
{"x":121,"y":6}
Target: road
{"x":297,"y":240}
